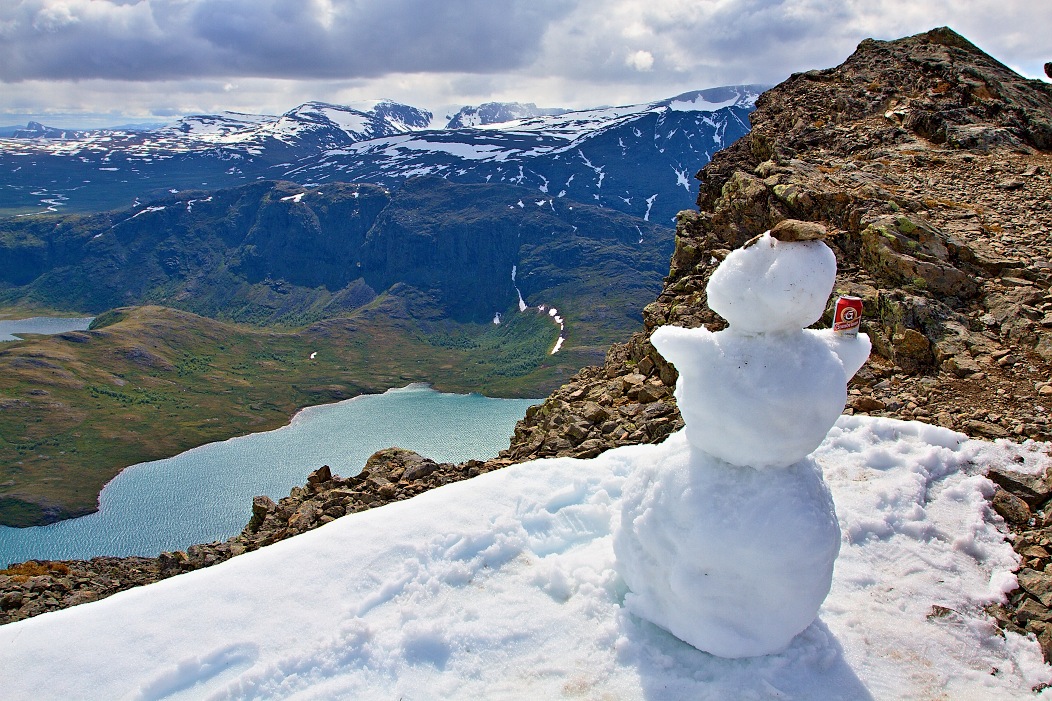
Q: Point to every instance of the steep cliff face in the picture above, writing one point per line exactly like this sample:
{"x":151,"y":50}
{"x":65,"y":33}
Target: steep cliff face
{"x":475,"y":244}
{"x":435,"y":231}
{"x":192,"y":249}
{"x":277,"y":252}
{"x":930,"y":164}
{"x":312,"y":239}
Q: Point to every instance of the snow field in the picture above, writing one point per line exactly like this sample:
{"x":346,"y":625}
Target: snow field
{"x":504,"y":586}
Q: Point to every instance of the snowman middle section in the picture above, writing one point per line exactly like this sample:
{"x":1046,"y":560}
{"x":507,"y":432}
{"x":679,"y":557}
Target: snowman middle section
{"x":728,"y":540}
{"x":757,"y":399}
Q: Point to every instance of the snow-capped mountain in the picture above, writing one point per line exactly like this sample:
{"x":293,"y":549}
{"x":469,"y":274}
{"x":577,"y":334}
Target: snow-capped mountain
{"x":638,"y":159}
{"x":224,"y":124}
{"x":36,"y":130}
{"x":313,"y":125}
{"x":499,"y":112}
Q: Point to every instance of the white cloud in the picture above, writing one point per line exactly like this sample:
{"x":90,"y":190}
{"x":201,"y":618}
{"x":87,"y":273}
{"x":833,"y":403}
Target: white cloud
{"x":182,"y":39}
{"x":640,"y":60}
{"x":326,"y":13}
{"x":154,"y":56}
{"x":53,"y":17}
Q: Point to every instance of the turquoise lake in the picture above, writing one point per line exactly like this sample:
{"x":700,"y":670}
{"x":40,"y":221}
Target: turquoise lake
{"x":205,"y":494}
{"x":9,"y":330}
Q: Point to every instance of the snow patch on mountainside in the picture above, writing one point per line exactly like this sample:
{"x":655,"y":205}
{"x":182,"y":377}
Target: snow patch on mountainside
{"x":498,"y":113}
{"x":712,"y":101}
{"x":621,"y":153}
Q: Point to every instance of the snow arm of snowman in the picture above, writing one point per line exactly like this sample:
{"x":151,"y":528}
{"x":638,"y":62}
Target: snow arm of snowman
{"x":678,"y":345}
{"x":852,"y":350}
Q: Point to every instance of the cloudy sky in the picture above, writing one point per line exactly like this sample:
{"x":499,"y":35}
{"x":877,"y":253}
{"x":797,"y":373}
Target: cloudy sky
{"x":99,"y":62}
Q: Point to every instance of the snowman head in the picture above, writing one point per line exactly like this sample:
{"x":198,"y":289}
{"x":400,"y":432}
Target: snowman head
{"x":773,"y":285}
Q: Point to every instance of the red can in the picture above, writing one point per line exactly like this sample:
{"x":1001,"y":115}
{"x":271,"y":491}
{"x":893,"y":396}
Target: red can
{"x":847,"y":316}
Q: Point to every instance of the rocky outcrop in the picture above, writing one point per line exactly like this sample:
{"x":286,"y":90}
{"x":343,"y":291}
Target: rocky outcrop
{"x":929,"y":163}
{"x":1025,"y":503}
{"x":599,"y":410}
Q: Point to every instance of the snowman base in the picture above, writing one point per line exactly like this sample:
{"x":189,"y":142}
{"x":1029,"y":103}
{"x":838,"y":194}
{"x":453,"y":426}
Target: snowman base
{"x":733,"y":560}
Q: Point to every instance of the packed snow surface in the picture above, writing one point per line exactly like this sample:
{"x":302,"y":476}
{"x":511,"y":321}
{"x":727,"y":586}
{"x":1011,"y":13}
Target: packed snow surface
{"x":503,"y":586}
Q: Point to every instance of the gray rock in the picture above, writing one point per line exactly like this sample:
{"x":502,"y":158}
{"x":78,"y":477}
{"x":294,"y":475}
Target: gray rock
{"x":796,"y":230}
{"x":1037,"y":584}
{"x":303,"y":518}
{"x":577,"y":432}
{"x":1011,"y":508}
{"x":320,"y":476}
{"x":590,"y":448}
{"x":986,"y":429}
{"x":1033,"y":489}
{"x":262,"y":506}
{"x":419,"y":469}
{"x":632,"y":380}
{"x":594,"y":412}
{"x":11,"y":600}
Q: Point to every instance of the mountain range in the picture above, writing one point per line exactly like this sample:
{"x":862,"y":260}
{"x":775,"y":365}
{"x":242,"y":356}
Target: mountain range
{"x":635,"y":159}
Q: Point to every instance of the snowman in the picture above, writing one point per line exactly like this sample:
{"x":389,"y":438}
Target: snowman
{"x":728,"y":539}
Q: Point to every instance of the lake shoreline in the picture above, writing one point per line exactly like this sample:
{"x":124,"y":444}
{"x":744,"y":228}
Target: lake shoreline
{"x":152,"y":382}
{"x":13,"y":330}
{"x":34,"y":587}
{"x":203,"y":494}
{"x":57,"y":513}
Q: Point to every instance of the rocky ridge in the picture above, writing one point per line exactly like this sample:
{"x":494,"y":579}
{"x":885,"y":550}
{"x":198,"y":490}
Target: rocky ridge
{"x":930,"y":164}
